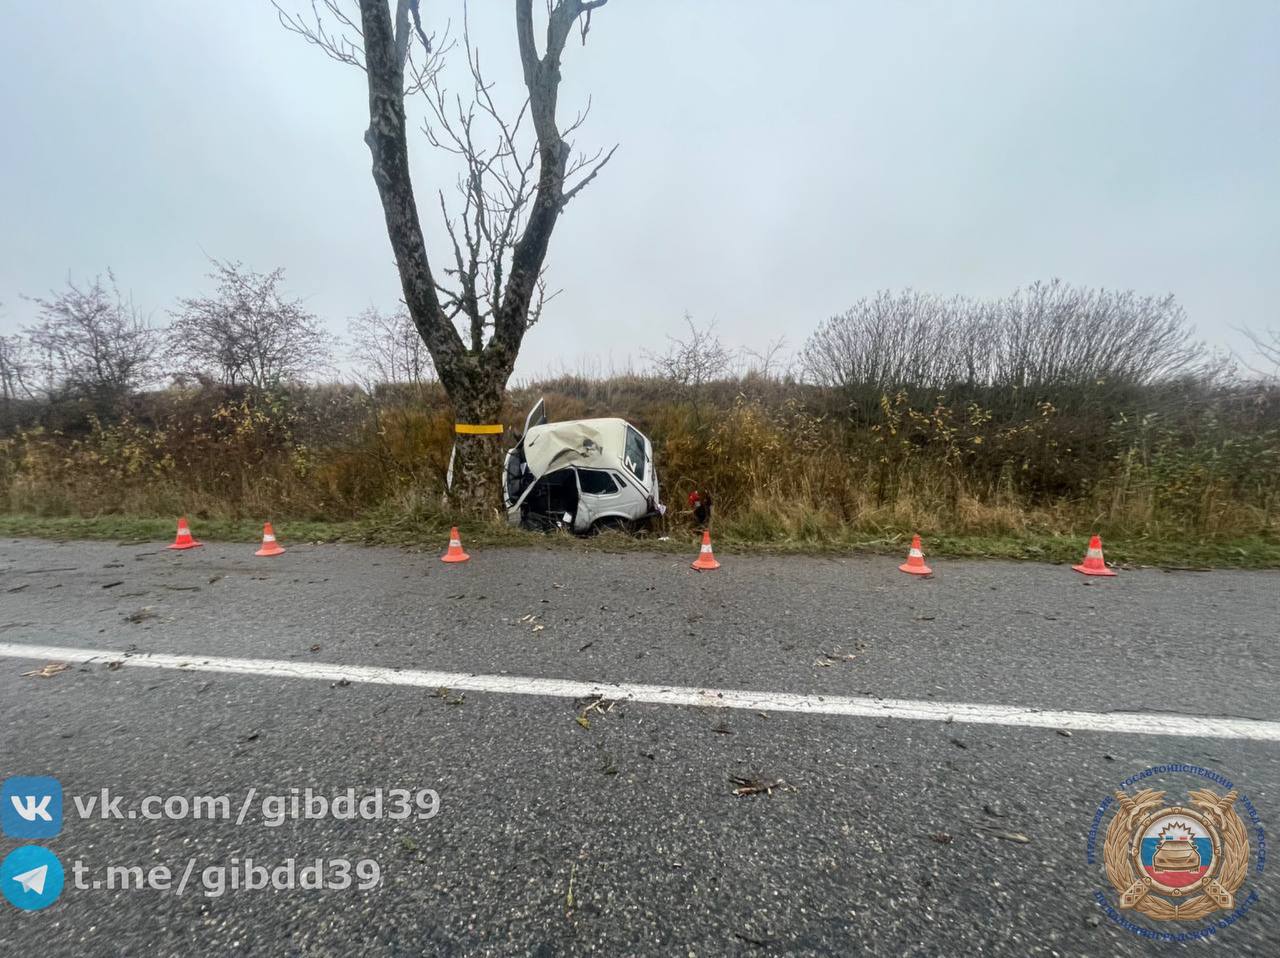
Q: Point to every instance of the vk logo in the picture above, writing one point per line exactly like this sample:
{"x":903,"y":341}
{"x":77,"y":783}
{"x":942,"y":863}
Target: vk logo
{"x":31,"y":877}
{"x":31,"y":806}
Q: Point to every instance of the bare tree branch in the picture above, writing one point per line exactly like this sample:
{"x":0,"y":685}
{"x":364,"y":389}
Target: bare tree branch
{"x":387,"y":349}
{"x":345,"y":45}
{"x":570,"y":194}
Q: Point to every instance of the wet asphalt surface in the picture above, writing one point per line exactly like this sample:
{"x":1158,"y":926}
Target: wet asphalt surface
{"x":622,"y":837}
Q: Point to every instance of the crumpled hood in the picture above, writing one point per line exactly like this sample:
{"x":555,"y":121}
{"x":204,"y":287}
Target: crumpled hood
{"x":581,"y":442}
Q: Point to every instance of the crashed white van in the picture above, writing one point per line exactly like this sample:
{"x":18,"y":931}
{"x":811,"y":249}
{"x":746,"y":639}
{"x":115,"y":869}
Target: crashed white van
{"x":584,"y":475}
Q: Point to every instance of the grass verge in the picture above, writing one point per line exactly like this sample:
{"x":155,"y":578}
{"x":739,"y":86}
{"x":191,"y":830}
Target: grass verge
{"x":430,"y":534}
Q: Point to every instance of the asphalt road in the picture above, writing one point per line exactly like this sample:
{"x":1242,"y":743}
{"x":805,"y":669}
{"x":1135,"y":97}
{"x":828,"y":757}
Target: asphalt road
{"x":621,"y":833}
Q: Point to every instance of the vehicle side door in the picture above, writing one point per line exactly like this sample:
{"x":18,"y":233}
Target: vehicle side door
{"x":600,"y":494}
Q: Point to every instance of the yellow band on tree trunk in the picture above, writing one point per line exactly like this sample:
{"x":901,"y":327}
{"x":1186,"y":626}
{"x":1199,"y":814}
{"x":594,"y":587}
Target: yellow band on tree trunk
{"x":465,"y":429}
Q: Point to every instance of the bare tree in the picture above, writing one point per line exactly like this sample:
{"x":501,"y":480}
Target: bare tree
{"x":513,"y":191}
{"x":247,"y":332}
{"x":386,"y":348}
{"x":92,"y":343}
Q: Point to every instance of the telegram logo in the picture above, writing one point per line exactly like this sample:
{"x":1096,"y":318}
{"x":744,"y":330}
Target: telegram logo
{"x":31,"y":877}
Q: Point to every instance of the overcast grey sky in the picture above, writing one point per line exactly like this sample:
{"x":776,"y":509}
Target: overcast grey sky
{"x":778,"y":161}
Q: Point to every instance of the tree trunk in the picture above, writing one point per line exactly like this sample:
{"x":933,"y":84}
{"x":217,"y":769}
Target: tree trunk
{"x":477,"y":459}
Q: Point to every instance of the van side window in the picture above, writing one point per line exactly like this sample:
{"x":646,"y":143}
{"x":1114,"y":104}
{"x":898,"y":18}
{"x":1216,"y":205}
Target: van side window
{"x":634,"y":454}
{"x":595,"y":482}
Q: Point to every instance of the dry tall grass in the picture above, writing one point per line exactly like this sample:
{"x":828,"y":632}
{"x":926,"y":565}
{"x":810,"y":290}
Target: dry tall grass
{"x":786,"y":462}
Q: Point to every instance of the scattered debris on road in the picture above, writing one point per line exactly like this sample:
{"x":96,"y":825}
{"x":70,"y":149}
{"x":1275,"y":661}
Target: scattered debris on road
{"x":942,"y":838}
{"x":753,"y":940}
{"x":747,"y":785}
{"x":568,"y":898}
{"x":141,"y":615}
{"x":827,"y":659}
{"x":48,"y":671}
{"x":1017,"y":837}
{"x":448,"y":698}
{"x":596,"y":703}
{"x":592,"y":703}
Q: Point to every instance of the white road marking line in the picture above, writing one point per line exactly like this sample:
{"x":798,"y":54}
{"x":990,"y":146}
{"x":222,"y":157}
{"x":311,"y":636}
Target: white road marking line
{"x":1131,"y":723}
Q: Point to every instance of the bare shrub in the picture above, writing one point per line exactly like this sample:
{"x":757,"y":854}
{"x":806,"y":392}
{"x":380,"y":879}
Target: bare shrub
{"x":15,"y":368}
{"x":1056,"y":334}
{"x":1266,"y":347}
{"x":771,"y":362}
{"x":247,"y":333}
{"x":691,"y":364}
{"x":15,"y":376}
{"x":1048,"y":335}
{"x":693,"y":361}
{"x":889,"y":341}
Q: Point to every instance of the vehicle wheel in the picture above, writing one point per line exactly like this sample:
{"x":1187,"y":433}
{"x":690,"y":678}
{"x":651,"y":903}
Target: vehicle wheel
{"x":610,"y":524}
{"x":537,"y":523}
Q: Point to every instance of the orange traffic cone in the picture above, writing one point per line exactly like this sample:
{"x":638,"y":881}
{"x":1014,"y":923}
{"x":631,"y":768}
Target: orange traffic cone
{"x":269,"y":545}
{"x":1093,"y":562}
{"x":706,"y":560}
{"x":455,"y":553}
{"x":915,"y":560}
{"x":184,"y":540}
